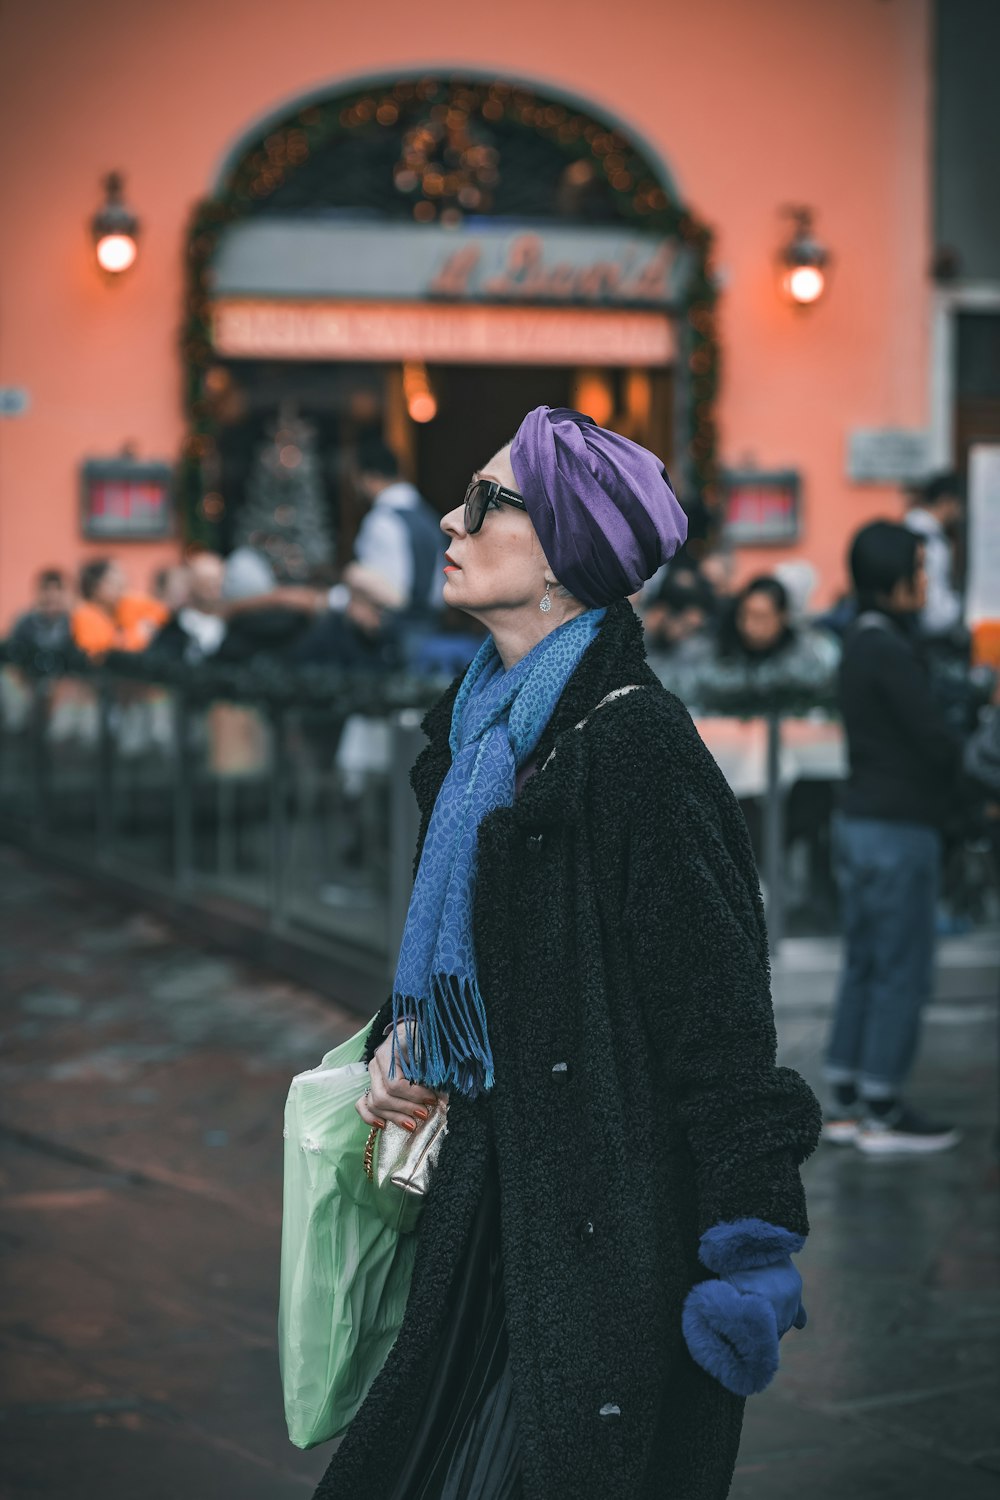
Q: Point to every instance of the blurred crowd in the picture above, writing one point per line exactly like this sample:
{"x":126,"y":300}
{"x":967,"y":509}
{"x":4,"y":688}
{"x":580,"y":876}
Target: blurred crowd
{"x":706,"y":639}
{"x":383,"y":610}
{"x":721,"y":647}
{"x":903,"y":787}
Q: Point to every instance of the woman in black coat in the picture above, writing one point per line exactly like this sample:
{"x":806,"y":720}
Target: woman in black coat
{"x":622,"y":1127}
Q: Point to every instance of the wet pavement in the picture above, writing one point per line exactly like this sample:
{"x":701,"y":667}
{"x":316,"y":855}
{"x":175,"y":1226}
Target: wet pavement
{"x":142,"y":1080}
{"x":892,"y":1392}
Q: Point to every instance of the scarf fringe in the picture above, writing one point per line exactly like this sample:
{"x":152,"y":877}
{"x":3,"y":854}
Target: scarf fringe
{"x":452,"y":1048}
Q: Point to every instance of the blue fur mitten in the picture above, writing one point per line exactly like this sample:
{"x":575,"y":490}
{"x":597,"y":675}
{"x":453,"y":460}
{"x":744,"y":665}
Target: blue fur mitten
{"x":732,"y":1325}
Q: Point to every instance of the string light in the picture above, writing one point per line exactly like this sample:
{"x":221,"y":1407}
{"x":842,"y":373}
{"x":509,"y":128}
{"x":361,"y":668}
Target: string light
{"x":458,"y":113}
{"x":212,"y":506}
{"x":447,"y":160}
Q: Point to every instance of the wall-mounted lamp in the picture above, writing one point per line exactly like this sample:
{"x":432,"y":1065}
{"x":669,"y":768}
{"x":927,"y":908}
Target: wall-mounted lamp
{"x":803,"y":261}
{"x":115,"y":229}
{"x":421,"y":402}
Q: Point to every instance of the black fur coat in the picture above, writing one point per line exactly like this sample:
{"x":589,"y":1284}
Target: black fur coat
{"x":623,"y":957}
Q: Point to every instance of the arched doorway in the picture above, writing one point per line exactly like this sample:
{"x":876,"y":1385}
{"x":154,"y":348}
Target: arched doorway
{"x":428,"y":257}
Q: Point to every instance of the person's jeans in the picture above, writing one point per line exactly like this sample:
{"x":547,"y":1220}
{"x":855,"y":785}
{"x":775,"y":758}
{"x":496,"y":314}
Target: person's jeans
{"x":888,"y":875}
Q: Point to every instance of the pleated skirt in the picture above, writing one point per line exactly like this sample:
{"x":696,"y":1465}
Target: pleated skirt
{"x":465,"y":1446}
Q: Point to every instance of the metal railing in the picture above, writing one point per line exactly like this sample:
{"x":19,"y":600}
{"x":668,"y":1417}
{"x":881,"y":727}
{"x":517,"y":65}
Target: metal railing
{"x":293,"y":819}
{"x":289,"y":810}
{"x":280,"y":803}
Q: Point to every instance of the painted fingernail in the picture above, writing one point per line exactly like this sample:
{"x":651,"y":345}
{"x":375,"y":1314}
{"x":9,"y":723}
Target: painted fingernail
{"x":422,"y":1114}
{"x":408,"y":1125}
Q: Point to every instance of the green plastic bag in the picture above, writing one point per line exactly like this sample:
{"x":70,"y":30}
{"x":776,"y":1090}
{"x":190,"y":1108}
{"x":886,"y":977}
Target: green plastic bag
{"x":347,"y":1251}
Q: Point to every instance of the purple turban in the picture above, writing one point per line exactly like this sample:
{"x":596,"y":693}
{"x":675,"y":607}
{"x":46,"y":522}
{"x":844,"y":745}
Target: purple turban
{"x":602,"y":505}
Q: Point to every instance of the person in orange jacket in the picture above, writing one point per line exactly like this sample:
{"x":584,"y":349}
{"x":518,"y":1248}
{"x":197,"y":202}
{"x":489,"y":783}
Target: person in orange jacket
{"x":109,"y":619}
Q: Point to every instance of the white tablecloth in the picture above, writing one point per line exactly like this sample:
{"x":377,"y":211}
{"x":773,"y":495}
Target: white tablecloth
{"x":811,"y":750}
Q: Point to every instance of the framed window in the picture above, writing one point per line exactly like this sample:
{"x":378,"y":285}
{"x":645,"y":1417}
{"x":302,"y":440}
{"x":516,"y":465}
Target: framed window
{"x":123,"y":499}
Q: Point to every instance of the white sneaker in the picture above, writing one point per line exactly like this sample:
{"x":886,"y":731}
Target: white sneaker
{"x":903,"y":1132}
{"x":841,"y":1129}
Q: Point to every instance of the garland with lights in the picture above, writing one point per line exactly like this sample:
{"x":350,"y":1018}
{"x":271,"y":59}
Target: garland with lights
{"x":438,"y":117}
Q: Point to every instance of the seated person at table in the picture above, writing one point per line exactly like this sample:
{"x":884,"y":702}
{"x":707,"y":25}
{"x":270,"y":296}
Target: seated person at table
{"x":678,"y":617}
{"x":44,"y":627}
{"x":758,"y":652}
{"x":196,"y":628}
{"x":108,"y":618}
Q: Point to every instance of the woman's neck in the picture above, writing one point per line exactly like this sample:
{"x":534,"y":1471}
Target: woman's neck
{"x":516,"y":632}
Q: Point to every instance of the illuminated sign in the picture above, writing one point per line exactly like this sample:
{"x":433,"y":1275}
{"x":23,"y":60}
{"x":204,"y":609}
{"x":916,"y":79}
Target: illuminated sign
{"x":761,"y":509}
{"x":440,"y":333}
{"x":532,"y":272}
{"x":123,"y":499}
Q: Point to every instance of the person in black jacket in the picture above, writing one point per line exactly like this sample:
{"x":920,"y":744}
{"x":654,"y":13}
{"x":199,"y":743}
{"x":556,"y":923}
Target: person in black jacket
{"x":904,"y":762}
{"x":43,"y":632}
{"x":603,"y":1268}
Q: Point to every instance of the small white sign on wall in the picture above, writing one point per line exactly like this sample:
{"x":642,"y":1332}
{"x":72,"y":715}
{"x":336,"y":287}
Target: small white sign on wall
{"x":982,"y":600}
{"x":888,"y":455}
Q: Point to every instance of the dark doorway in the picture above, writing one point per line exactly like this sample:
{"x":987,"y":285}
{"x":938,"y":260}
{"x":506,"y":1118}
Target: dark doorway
{"x":977,"y":397}
{"x":480,"y":407}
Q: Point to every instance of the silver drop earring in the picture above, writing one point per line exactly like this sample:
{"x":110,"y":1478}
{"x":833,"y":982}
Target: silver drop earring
{"x":545,"y":604}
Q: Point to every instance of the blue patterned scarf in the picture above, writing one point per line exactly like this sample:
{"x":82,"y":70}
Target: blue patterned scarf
{"x":496,"y":724}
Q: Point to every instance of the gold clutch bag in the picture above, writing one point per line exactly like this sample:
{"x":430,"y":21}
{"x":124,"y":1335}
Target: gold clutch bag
{"x":406,"y":1158}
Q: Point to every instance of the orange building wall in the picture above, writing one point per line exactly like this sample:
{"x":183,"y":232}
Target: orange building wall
{"x":751,"y":105}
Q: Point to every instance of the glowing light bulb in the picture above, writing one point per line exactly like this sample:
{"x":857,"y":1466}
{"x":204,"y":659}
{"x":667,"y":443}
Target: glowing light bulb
{"x":803,"y":262}
{"x":421,"y":402}
{"x":116,"y":252}
{"x":422,"y":407}
{"x":805,"y":283}
{"x":593,"y":395}
{"x":115,"y":229}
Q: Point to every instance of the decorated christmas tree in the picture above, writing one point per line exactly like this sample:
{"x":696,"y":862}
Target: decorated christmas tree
{"x":284,"y":513}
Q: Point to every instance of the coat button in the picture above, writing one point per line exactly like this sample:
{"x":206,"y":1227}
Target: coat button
{"x":534,"y":844}
{"x":560,"y":1072}
{"x":585,"y":1229}
{"x":609,"y":1409}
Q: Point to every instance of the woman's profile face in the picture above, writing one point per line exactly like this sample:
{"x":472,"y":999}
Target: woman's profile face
{"x":760,"y":622}
{"x":501,"y":567}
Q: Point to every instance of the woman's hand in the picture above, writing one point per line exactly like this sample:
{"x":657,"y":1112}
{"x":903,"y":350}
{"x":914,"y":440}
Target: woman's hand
{"x":395,"y":1100}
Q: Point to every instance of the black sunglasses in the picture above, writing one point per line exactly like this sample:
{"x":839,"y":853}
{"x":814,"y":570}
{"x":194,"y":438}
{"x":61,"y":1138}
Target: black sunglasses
{"x":483,"y":495}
